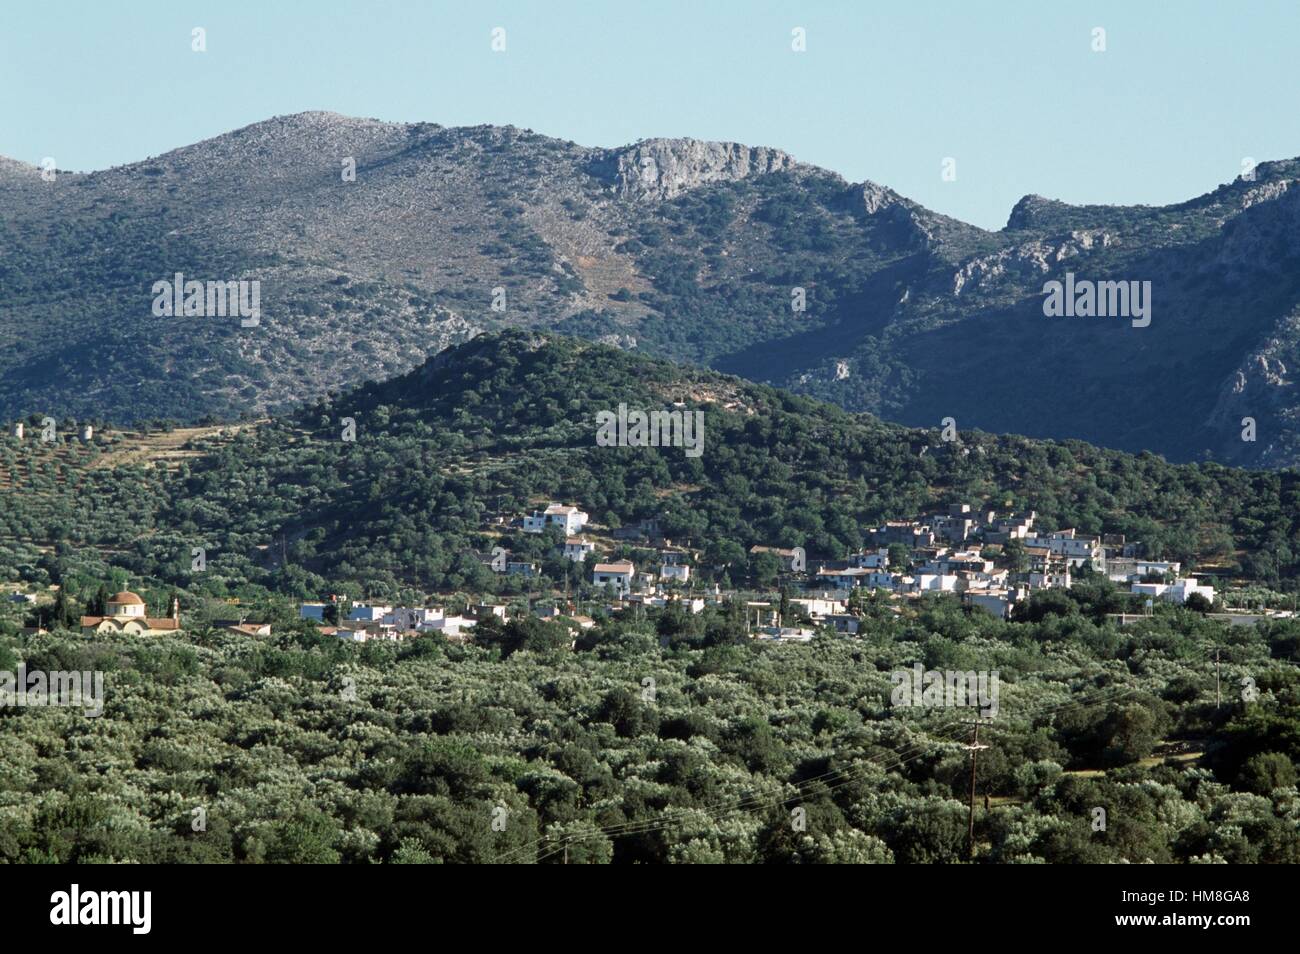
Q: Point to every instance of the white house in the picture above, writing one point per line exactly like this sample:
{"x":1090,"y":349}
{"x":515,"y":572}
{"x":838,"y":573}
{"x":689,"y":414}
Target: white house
{"x":1177,"y":592}
{"x":873,"y":560}
{"x":1050,"y":581}
{"x":577,"y":550}
{"x":1078,"y":550}
{"x":454,"y":626}
{"x":358,"y":631}
{"x":935,"y":583}
{"x":364,"y":612}
{"x":1125,"y":570}
{"x":617,"y":574}
{"x":880,"y":580}
{"x":693,"y":606}
{"x":569,"y":519}
{"x":817,"y":609}
{"x":955,"y":561}
{"x":675,"y":571}
{"x":847,"y":578}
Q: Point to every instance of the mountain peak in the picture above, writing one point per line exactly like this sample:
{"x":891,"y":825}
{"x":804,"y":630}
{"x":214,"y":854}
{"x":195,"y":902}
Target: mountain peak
{"x":1028,"y":212}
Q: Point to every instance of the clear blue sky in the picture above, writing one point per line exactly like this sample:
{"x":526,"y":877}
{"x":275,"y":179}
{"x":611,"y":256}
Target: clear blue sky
{"x":885,"y":91}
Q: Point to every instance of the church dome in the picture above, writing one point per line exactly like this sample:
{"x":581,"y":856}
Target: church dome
{"x":126,"y":598}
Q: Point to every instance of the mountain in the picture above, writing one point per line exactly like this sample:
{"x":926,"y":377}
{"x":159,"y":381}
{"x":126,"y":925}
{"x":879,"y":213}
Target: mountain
{"x":689,"y":250}
{"x":397,"y":486}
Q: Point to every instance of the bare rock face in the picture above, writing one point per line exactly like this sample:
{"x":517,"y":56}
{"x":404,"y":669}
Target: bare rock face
{"x":1265,"y":193}
{"x":658,"y":169}
{"x":1262,"y":389}
{"x":1255,"y":383}
{"x":875,"y":198}
{"x":1270,"y":220}
{"x":1029,"y":260}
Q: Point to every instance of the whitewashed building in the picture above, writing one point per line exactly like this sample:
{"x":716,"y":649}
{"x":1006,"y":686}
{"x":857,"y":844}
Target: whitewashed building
{"x":569,"y":519}
{"x":617,"y":575}
{"x":577,"y":550}
{"x":675,"y":572}
{"x":368,"y":613}
{"x":1177,"y":592}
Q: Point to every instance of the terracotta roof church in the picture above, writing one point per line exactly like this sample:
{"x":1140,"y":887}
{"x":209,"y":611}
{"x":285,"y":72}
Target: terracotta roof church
{"x":126,"y":614}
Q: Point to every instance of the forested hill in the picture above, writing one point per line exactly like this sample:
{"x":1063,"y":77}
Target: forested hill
{"x":508,"y":421}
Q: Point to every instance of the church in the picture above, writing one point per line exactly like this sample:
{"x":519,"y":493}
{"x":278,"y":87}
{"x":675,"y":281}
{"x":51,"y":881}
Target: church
{"x":126,"y":614}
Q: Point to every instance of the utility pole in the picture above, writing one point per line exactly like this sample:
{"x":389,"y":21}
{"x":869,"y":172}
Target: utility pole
{"x":974,"y":748}
{"x":1218,"y":698}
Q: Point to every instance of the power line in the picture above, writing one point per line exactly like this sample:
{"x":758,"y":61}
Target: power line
{"x":828,"y":779}
{"x":850,"y":774}
{"x":974,"y":755}
{"x":650,"y":826}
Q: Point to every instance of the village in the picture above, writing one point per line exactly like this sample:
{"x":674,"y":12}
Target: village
{"x":992,"y":562}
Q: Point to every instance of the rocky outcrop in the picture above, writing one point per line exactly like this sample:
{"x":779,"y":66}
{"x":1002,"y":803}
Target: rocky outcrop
{"x":875,"y":198}
{"x":1265,"y":193}
{"x":1030,"y":259}
{"x":1256,"y":386}
{"x":1268,"y":223}
{"x":658,"y":169}
{"x":1030,"y":210}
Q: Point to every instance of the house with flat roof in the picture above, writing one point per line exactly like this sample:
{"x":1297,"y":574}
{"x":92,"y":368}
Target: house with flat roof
{"x":569,"y":519}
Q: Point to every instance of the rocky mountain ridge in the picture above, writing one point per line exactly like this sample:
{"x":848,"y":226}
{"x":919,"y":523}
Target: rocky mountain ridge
{"x":377,"y":244}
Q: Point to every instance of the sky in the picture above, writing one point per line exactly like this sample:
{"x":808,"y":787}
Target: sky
{"x":1014,"y":92}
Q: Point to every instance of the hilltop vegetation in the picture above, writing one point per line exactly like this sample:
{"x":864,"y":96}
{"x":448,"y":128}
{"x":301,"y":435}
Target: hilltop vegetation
{"x":507,"y":421}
